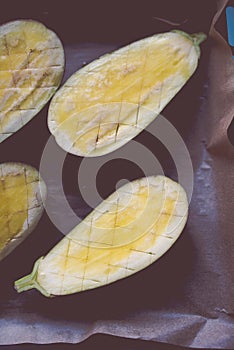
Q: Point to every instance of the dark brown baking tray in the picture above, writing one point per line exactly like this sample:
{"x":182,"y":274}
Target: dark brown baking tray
{"x":185,"y":297}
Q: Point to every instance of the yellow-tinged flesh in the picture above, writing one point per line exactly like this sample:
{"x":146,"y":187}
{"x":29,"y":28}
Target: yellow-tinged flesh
{"x":13,"y":206}
{"x":96,"y":103}
{"x":20,"y":203}
{"x":121,"y":236}
{"x":31,"y":68}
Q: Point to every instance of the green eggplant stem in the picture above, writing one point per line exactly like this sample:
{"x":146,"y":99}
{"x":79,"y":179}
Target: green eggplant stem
{"x":30,"y":281}
{"x":196,"y":38}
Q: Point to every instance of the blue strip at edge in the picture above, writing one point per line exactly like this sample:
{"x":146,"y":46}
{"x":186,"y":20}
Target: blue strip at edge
{"x":230,"y":24}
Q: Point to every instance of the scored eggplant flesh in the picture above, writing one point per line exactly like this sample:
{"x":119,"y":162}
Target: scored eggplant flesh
{"x":128,"y":231}
{"x":22,"y":193}
{"x":31,"y":69}
{"x":111,"y":100}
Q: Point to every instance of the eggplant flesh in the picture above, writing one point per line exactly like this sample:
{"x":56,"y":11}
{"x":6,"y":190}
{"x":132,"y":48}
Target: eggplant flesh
{"x":108,"y":102}
{"x":31,"y":69}
{"x":128,"y":231}
{"x":22,"y":193}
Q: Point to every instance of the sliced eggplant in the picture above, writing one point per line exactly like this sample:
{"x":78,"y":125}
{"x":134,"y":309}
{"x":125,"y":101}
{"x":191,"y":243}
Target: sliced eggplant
{"x":111,"y":100}
{"x":128,"y":231}
{"x":31,"y":69}
{"x":22,"y":193}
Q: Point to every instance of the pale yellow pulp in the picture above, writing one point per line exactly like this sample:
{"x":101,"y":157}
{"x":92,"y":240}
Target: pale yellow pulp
{"x":97,"y":103}
{"x":30,"y":71}
{"x":14,"y":198}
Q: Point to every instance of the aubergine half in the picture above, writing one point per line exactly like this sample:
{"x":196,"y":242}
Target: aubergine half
{"x":111,"y":100}
{"x":128,"y":231}
{"x":31,"y":69}
{"x":22,"y":194}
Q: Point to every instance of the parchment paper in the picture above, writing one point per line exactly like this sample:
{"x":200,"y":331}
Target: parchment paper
{"x":185,"y":298}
